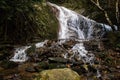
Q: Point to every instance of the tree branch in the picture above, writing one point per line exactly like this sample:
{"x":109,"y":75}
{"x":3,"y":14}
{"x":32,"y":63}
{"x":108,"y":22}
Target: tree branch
{"x":117,"y":13}
{"x":97,"y":3}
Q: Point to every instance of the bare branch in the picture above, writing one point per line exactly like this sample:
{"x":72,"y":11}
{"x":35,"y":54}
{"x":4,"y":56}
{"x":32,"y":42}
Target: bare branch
{"x":107,"y":18}
{"x":117,"y":12}
{"x":97,"y":3}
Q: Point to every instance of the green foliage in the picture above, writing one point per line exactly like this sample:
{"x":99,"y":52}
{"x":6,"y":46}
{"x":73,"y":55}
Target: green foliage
{"x":23,"y":20}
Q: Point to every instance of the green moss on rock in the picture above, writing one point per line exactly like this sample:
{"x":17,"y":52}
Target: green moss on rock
{"x":58,"y":74}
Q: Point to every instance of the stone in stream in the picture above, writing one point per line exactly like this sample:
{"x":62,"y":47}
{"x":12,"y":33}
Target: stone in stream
{"x":30,"y":69}
{"x":64,"y":61}
{"x":58,"y":59}
{"x":58,"y":74}
{"x":12,"y":77}
{"x":8,"y":64}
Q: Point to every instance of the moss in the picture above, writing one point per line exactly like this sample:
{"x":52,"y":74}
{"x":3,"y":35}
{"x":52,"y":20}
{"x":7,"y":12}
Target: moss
{"x":25,"y":21}
{"x":58,"y":74}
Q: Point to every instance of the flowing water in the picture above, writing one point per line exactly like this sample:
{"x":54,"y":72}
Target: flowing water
{"x":20,"y":54}
{"x":71,"y":26}
{"x":75,"y":26}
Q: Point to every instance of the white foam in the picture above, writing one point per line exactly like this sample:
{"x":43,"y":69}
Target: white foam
{"x":41,"y":44}
{"x":20,"y":54}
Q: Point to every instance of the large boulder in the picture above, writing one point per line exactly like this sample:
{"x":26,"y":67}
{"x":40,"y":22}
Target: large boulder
{"x":58,"y":74}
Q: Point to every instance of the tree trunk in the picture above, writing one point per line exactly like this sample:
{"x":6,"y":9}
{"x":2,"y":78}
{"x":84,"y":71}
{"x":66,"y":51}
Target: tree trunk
{"x":97,"y":3}
{"x":117,"y":14}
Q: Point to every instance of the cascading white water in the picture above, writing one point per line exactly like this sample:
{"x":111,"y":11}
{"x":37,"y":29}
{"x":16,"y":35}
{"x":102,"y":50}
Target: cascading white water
{"x":75,"y":26}
{"x":20,"y":54}
{"x":82,"y":54}
{"x":40,"y":44}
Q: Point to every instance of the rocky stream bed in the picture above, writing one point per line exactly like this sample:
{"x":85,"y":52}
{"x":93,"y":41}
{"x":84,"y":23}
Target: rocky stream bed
{"x":52,"y":56}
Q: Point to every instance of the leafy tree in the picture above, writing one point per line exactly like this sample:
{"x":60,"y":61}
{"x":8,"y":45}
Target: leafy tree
{"x":23,"y":20}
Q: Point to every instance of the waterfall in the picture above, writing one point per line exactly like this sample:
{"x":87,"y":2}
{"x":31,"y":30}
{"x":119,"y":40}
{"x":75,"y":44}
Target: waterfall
{"x":75,"y":26}
{"x":20,"y":54}
{"x":71,"y":26}
{"x":41,"y":44}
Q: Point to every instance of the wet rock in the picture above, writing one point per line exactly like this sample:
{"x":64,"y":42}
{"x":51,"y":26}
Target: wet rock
{"x":56,"y":65}
{"x":92,"y":69}
{"x":80,"y":70}
{"x":44,"y":65}
{"x":58,"y":74}
{"x":8,"y":64}
{"x":118,"y":67}
{"x":8,"y":77}
{"x":4,"y":55}
{"x":117,"y":49}
{"x":1,"y":77}
{"x":112,"y":69}
{"x":37,"y":68}
{"x":1,"y":69}
{"x":42,"y":50}
{"x":96,"y":62}
{"x":64,"y":61}
{"x":51,"y":43}
{"x":31,"y":50}
{"x":43,"y":53}
{"x":12,"y":77}
{"x":91,"y":45}
{"x":58,"y":59}
{"x":5,"y":51}
{"x":69,"y":44}
{"x":30,"y":69}
{"x":16,"y":77}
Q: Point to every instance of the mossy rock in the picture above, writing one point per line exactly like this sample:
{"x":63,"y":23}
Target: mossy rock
{"x":58,"y":74}
{"x":8,"y":64}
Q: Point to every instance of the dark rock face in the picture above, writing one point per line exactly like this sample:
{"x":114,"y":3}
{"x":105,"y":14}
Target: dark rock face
{"x":30,"y":69}
{"x":8,"y":64}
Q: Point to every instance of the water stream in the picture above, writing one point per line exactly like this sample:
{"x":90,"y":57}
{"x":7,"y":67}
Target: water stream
{"x":20,"y":54}
{"x":71,"y":26}
{"x":75,"y":26}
